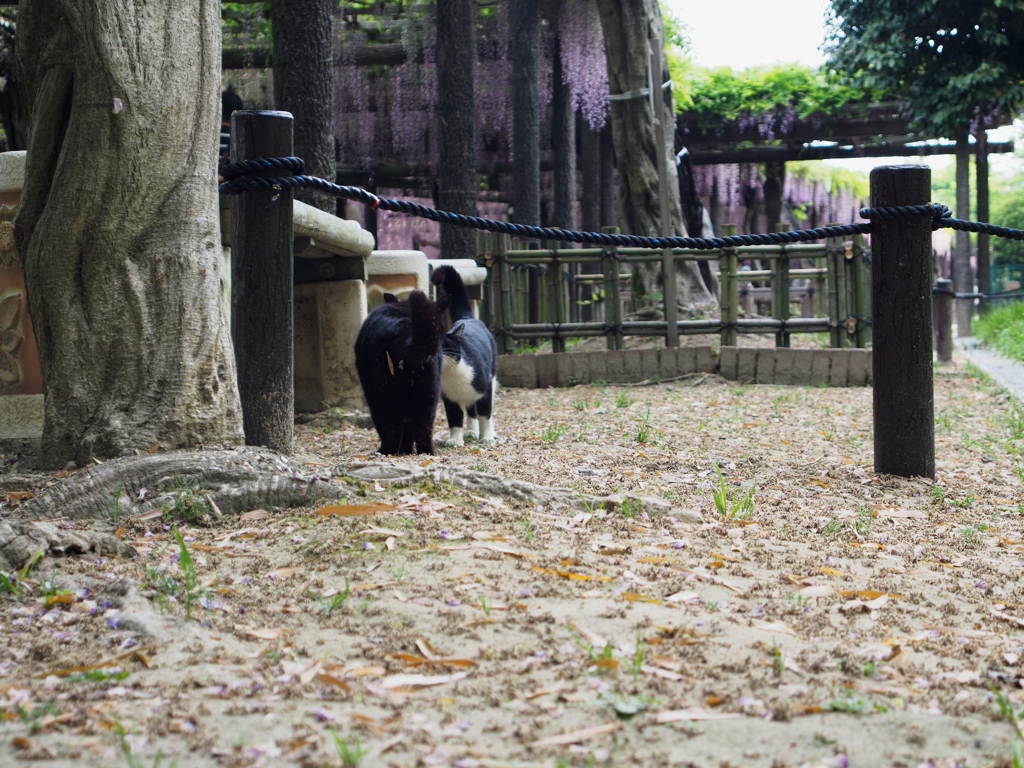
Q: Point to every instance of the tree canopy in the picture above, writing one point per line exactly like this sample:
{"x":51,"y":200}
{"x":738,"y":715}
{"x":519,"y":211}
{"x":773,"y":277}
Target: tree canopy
{"x":950,"y":61}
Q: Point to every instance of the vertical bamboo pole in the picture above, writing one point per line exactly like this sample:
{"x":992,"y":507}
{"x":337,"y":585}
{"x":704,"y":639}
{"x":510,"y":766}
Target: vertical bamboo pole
{"x":668,"y":264}
{"x":501,"y":253}
{"x":556,"y":301}
{"x":860,"y":293}
{"x":612,"y":294}
{"x":832,"y":246}
{"x":780,"y":283}
{"x":730,"y":296}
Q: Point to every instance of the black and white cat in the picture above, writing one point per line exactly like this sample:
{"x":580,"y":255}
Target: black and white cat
{"x":470,"y":361}
{"x":399,"y":363}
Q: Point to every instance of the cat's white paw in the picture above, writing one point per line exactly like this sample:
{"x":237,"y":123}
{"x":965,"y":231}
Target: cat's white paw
{"x":486,"y":430}
{"x":455,"y":438}
{"x":472,"y":428}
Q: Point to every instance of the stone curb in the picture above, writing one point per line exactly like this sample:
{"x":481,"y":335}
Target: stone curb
{"x":747,"y":365}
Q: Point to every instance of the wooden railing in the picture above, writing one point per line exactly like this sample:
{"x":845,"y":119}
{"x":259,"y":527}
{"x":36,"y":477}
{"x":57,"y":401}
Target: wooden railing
{"x":537,"y":294}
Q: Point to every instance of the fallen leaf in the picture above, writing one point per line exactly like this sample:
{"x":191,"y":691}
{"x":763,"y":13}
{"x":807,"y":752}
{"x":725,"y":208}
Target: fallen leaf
{"x":568,"y":574}
{"x":256,"y":514}
{"x":349,"y":510}
{"x":265,"y":634}
{"x":675,"y":715}
{"x":284,"y":573}
{"x":576,"y":737}
{"x":683,"y":597}
{"x":775,"y":626}
{"x":420,"y":681}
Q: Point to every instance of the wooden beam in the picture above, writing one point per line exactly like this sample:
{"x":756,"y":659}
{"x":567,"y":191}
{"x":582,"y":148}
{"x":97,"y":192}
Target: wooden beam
{"x":787,"y":154}
{"x":363,"y":56}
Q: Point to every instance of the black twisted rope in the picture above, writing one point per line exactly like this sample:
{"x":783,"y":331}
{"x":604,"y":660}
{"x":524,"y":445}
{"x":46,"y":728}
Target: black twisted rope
{"x":239,"y":177}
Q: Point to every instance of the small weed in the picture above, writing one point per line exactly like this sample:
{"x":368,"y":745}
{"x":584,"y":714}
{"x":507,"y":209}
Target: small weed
{"x":870,"y":669}
{"x":965,"y":503}
{"x":531,"y":530}
{"x":552,"y":433}
{"x":644,"y":430}
{"x":350,"y":750}
{"x":484,"y":605}
{"x":702,"y":423}
{"x":863,"y":522}
{"x":972,"y":536}
{"x":734,"y":509}
{"x":834,"y":529}
{"x":796,"y":600}
{"x":13,"y":582}
{"x":937,"y":494}
{"x":1014,"y":717}
{"x":190,"y":589}
{"x":623,"y":400}
{"x":31,"y":717}
{"x":628,"y":509}
{"x":1018,"y":468}
{"x":581,"y":405}
{"x":133,"y":760}
{"x":855,"y":705}
{"x":97,"y":675}
{"x":330,"y":604}
{"x":778,"y":659}
{"x":115,"y":505}
{"x":638,"y":657}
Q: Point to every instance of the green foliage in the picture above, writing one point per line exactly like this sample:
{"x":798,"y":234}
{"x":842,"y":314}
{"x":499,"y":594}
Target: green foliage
{"x":190,"y":588}
{"x":350,"y":750}
{"x":944,"y":59}
{"x":1008,"y":212}
{"x":721,"y":95}
{"x":735,"y":508}
{"x":1002,"y":329}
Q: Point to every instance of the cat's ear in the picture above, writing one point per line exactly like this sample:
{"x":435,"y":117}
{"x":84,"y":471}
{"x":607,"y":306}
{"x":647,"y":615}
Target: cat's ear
{"x":390,"y":298}
{"x":442,"y":304}
{"x":456,"y":334}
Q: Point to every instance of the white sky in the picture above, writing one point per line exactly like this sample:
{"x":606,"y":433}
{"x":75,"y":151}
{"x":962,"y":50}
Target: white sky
{"x":750,"y":33}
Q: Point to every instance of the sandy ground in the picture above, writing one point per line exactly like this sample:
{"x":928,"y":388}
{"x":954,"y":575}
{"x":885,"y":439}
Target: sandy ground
{"x":846,"y":619}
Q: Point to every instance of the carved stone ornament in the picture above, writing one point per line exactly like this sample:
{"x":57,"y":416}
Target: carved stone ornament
{"x":12,"y":305}
{"x":8,"y":253}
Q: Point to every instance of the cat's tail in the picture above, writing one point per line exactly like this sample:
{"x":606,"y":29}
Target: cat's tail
{"x":427,"y":328}
{"x":449,"y":279}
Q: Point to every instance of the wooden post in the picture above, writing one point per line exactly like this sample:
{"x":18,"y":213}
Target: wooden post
{"x":860,"y":292}
{"x":780,"y":286}
{"x":901,"y":286}
{"x":984,"y":266}
{"x":729,"y":287}
{"x":820,"y":293}
{"x":262,"y":293}
{"x":501,"y":248}
{"x":612,"y":294}
{"x":963,"y":274}
{"x":668,"y":263}
{"x":833,"y":245}
{"x":942,"y":307}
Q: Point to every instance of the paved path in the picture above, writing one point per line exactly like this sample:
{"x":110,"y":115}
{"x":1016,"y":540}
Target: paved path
{"x":1008,"y":373}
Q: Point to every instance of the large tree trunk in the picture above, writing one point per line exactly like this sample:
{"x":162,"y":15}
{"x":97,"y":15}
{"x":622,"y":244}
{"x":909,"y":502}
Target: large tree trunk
{"x":118,"y":227}
{"x":456,"y":115}
{"x":304,"y":86}
{"x":628,"y":25}
{"x":525,"y":22}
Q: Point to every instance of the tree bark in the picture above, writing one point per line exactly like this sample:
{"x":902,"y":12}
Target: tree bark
{"x":627,"y":26}
{"x":774,"y":181}
{"x":563,"y":140}
{"x":590,"y":176}
{"x":963,"y":275}
{"x":304,"y":86}
{"x":456,"y":115}
{"x":525,"y":22}
{"x":118,"y":226}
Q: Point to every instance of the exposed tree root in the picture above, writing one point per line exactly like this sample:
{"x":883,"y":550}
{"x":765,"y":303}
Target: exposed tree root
{"x":21,"y":541}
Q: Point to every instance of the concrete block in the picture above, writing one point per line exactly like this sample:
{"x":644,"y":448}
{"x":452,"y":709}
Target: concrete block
{"x":728,"y":361}
{"x":397,"y":272}
{"x":571,"y":369}
{"x":803,"y":359}
{"x":870,"y":380}
{"x":705,"y":360}
{"x":631,"y":365}
{"x":840,"y":373}
{"x":821,"y":367}
{"x":598,"y":364}
{"x":327,"y":320}
{"x":21,"y":416}
{"x":616,"y":366}
{"x":746,"y":364}
{"x":686,"y":361}
{"x":784,"y":365}
{"x":546,"y":370}
{"x":649,"y":364}
{"x":12,"y":171}
{"x":668,"y":362}
{"x":765,"y":366}
{"x":518,"y":371}
{"x":860,"y":367}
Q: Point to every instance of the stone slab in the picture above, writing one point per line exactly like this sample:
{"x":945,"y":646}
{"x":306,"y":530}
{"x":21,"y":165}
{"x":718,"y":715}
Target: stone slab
{"x":765,"y":366}
{"x":649,"y":364}
{"x":803,"y":360}
{"x":839,"y":375}
{"x":327,"y":319}
{"x":668,"y":362}
{"x":571,"y":368}
{"x":518,"y":371}
{"x":728,"y":362}
{"x":705,"y":359}
{"x":859,"y":373}
{"x":546,"y":371}
{"x":632,"y":366}
{"x":746,"y":365}
{"x":397,"y":272}
{"x":821,"y":367}
{"x":21,"y":417}
{"x":686,"y":361}
{"x":616,"y":366}
{"x":598,"y":364}
{"x":784,"y":366}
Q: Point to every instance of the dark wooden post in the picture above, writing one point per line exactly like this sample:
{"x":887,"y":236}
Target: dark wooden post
{"x":860,"y":293}
{"x":261,"y":286}
{"x":729,"y":289}
{"x":984,"y":267}
{"x":901,"y":284}
{"x":942,"y":307}
{"x":963,"y":275}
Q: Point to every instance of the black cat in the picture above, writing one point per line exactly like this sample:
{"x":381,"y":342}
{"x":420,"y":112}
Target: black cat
{"x":470,"y":363}
{"x":398,"y":357}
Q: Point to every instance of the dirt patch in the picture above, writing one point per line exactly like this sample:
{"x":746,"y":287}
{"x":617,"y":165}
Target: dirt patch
{"x":850,"y":618}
